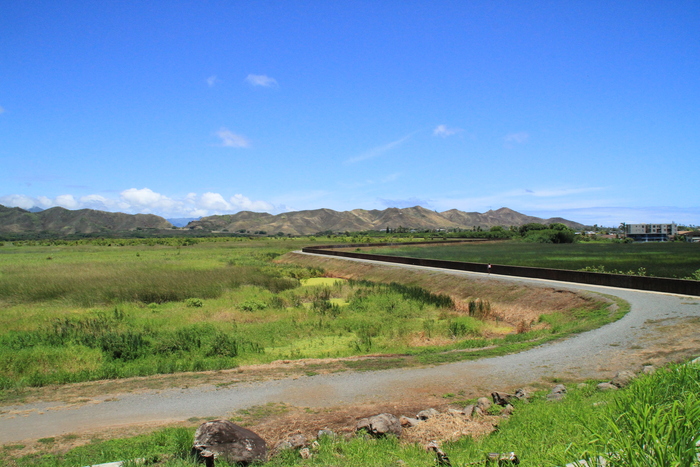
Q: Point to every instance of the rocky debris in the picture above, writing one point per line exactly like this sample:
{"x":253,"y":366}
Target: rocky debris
{"x":522,"y":395}
{"x":325,"y":432}
{"x":440,"y":457}
{"x":223,"y":439}
{"x":558,"y":393}
{"x":380,"y":425}
{"x":408,"y":421}
{"x":508,"y":410}
{"x":426,"y":414}
{"x":482,"y":407}
{"x":469,"y":410}
{"x":502,"y":398}
{"x":648,"y":369}
{"x":623,"y":378}
{"x":293,"y":442}
{"x":305,"y":453}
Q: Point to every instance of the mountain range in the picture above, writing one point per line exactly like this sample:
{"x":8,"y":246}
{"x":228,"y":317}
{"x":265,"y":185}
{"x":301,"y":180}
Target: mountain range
{"x":61,"y":222}
{"x":323,"y":220}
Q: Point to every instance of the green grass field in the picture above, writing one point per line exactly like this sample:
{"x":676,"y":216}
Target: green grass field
{"x":676,"y":259}
{"x":85,"y":311}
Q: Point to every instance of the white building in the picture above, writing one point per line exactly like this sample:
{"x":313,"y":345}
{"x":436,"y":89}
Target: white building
{"x":651,"y":232}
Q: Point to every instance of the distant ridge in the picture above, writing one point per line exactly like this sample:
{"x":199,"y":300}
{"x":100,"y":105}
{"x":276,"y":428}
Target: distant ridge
{"x":62,"y":222}
{"x":324,"y":220}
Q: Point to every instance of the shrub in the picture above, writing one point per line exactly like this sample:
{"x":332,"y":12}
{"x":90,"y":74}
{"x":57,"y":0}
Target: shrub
{"x":194,"y":303}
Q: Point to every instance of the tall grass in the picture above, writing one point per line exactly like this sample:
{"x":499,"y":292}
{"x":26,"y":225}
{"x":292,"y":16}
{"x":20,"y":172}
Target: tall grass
{"x":655,"y":423}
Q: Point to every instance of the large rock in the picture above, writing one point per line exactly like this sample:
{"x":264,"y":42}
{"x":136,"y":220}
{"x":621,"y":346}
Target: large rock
{"x":226,"y":440}
{"x":381,"y":425}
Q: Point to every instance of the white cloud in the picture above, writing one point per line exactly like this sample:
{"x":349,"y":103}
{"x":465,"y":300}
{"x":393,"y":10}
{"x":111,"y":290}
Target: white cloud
{"x":444,"y":131}
{"x":377,"y":151}
{"x":67,"y":201}
{"x":213,"y":202}
{"x":230,"y":139}
{"x":261,"y":80}
{"x":18,"y":201}
{"x":213,"y":81}
{"x":147,"y":201}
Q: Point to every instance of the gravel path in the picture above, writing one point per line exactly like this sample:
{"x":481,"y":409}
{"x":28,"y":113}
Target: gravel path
{"x":598,"y":354}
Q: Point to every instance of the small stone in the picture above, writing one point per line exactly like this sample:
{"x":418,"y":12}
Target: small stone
{"x":502,"y":398}
{"x":483,"y":403}
{"x":305,"y":453}
{"x":623,"y":378}
{"x":426,"y":414}
{"x":469,"y":410}
{"x":559,"y":389}
{"x":409,"y":422}
{"x":606,"y":387}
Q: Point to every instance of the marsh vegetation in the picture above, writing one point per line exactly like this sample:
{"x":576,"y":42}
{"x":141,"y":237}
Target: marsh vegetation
{"x":88,"y":311}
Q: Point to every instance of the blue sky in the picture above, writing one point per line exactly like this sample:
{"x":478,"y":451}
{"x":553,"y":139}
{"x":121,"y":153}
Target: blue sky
{"x":588,"y":110}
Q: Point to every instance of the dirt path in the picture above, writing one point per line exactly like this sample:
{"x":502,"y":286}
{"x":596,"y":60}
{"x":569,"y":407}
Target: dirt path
{"x":659,"y":328}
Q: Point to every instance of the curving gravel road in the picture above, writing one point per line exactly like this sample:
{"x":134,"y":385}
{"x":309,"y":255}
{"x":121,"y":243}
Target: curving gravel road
{"x":598,"y":354}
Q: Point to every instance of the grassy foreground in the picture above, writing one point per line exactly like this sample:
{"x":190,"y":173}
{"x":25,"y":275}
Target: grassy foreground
{"x":652,"y":423}
{"x":87,"y":311}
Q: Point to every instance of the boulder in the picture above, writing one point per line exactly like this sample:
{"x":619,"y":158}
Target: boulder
{"x":623,"y":378}
{"x":380,"y":425}
{"x":226,"y":440}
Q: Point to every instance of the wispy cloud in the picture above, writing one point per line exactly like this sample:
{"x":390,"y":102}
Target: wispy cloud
{"x":404,"y":203}
{"x":510,"y":140}
{"x":445,"y":131}
{"x":230,"y":139}
{"x":213,"y":81}
{"x":261,"y":80}
{"x":378,"y":151}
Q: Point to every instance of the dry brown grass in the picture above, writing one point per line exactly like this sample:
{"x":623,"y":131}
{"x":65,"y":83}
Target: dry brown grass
{"x":447,"y":427}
